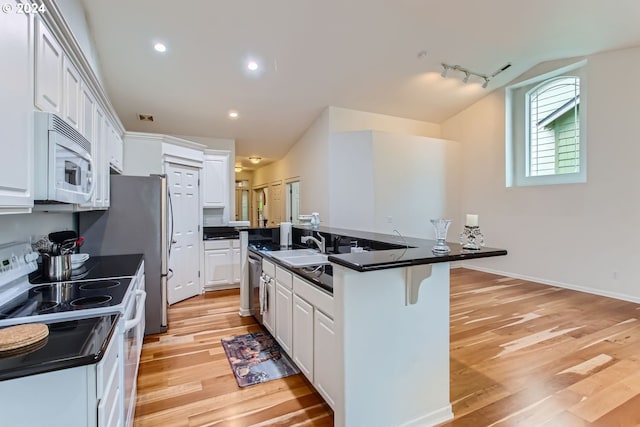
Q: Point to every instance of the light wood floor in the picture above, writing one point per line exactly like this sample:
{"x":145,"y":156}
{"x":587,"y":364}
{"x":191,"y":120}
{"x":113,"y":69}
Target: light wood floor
{"x":522,"y":354}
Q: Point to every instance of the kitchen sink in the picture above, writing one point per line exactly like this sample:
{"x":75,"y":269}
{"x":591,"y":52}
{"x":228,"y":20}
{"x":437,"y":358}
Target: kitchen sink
{"x":305,"y":260}
{"x":300,"y":257}
{"x":292,"y":252}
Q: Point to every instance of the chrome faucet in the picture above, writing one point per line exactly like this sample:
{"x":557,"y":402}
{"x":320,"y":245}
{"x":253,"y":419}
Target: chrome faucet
{"x":320,"y":243}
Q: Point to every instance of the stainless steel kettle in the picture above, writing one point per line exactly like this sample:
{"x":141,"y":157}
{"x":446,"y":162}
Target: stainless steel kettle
{"x":56,"y":267}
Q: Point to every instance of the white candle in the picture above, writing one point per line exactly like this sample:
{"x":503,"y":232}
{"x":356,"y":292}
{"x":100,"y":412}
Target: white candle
{"x":472,"y":220}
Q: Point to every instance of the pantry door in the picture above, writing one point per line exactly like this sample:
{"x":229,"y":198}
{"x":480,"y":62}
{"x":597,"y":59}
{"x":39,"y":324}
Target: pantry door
{"x":184,"y":255}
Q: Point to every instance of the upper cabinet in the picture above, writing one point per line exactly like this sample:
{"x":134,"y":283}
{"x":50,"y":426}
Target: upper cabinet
{"x":215,"y":187}
{"x":116,"y":149}
{"x":71,"y":93}
{"x":16,"y":113}
{"x":48,"y":69}
{"x":61,"y":81}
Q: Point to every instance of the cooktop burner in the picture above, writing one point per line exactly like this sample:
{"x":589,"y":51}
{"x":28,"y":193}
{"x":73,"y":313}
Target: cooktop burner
{"x":91,"y":301}
{"x":45,"y":306}
{"x":65,"y":299}
{"x":100,"y":284}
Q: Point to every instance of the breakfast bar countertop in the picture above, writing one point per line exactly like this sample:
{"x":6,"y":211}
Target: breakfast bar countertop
{"x":416,"y":251}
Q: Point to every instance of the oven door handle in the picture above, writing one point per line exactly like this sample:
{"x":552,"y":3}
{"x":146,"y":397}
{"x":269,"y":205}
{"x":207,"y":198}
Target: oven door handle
{"x":139,"y":311}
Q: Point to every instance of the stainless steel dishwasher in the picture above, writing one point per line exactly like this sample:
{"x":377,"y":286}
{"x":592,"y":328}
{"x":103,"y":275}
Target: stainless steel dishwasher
{"x":255,"y":271}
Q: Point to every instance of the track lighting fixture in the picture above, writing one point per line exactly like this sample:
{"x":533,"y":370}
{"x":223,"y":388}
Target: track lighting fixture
{"x":445,"y":70}
{"x":468,"y":73}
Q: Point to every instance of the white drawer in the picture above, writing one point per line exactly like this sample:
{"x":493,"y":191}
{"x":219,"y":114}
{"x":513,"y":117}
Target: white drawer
{"x":284,"y":277}
{"x":314,"y":296}
{"x":235,"y":243}
{"x":216,"y":244}
{"x":268,"y":268}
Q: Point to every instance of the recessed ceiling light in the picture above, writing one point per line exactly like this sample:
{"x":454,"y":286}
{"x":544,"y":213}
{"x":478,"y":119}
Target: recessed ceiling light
{"x":233,"y":114}
{"x":160,"y":47}
{"x":255,"y":159}
{"x":252,"y":65}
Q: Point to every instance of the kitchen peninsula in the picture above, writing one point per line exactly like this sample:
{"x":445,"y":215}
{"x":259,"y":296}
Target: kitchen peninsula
{"x":390,"y":326}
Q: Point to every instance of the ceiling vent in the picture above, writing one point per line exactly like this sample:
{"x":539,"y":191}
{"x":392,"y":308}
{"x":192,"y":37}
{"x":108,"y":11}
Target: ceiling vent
{"x":146,"y":117}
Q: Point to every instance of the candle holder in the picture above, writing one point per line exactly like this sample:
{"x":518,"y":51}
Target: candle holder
{"x":441,"y":227}
{"x":471,"y":238}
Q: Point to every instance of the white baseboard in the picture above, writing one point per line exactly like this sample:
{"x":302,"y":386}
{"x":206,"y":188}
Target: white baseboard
{"x":221,"y":287}
{"x":599,"y":292}
{"x":431,"y":419}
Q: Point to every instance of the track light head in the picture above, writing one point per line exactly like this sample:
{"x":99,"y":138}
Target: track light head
{"x":486,"y":83}
{"x":445,"y":70}
{"x":466,"y":77}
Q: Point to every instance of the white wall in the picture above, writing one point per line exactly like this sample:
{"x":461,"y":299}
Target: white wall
{"x":226,"y":144}
{"x":582,"y":236}
{"x":308,"y":158}
{"x":73,"y":12}
{"x":19,"y":228}
{"x":387,"y":181}
{"x":344,"y":120}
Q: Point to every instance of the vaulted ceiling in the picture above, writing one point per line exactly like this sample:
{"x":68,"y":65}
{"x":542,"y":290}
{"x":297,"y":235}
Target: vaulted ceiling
{"x":381,"y":56}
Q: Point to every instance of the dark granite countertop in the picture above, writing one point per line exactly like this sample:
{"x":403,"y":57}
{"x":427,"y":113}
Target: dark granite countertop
{"x":69,"y":344}
{"x":418,"y":252}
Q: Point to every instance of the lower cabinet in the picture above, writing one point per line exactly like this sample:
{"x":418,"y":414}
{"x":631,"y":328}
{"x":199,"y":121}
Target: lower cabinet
{"x":303,"y":336}
{"x":299,"y":317}
{"x":314,"y":340}
{"x":221,"y":264}
{"x":325,"y":378}
{"x":284,"y":309}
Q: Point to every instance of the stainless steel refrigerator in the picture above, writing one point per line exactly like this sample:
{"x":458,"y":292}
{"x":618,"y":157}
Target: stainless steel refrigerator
{"x":139,"y":220}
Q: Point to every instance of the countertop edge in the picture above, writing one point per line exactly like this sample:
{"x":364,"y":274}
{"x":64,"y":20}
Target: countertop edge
{"x":60,"y":364}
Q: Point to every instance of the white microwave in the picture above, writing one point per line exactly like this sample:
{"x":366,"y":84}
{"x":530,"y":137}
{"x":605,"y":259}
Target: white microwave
{"x":63,"y":163}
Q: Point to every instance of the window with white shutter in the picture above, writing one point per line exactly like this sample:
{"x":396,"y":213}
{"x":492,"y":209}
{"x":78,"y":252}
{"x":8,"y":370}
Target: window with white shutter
{"x":545,"y":144}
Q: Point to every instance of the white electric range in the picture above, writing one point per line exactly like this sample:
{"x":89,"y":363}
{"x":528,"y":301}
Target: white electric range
{"x":105,"y":288}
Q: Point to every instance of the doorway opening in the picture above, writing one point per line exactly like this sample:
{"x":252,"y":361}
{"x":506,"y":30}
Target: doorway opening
{"x":293,"y":201}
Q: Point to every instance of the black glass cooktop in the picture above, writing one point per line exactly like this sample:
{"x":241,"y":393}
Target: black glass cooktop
{"x":98,"y":267}
{"x":64,"y":297}
{"x":69,"y":344}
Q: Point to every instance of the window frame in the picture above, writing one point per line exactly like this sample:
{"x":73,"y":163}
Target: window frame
{"x":516,"y":139}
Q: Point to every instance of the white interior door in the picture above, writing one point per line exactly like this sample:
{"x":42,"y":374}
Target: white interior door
{"x":184,"y":260}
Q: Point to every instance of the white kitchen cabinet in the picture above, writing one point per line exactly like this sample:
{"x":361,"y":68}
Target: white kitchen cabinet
{"x":92,"y":128}
{"x":116,"y":148}
{"x":71,"y":93}
{"x":284,"y":317}
{"x":235,"y":260}
{"x":103,"y":183}
{"x":325,"y":349}
{"x":48,"y":69}
{"x":87,"y":114}
{"x":221,"y":264}
{"x":284,"y":309}
{"x":217,"y":268}
{"x":16,"y":113}
{"x":303,"y":336}
{"x":215,"y":186}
